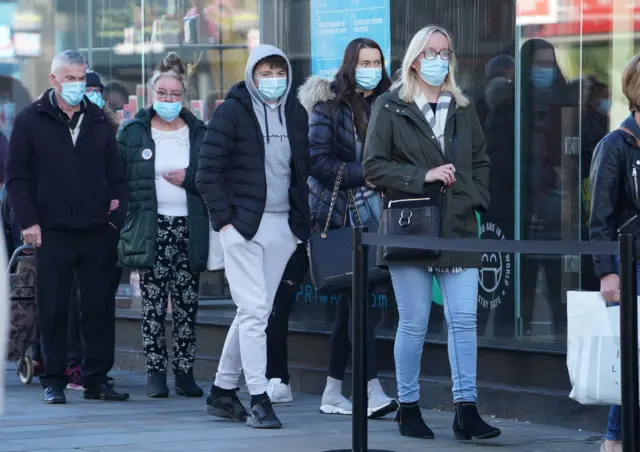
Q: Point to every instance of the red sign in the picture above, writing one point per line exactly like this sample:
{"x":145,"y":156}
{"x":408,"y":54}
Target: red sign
{"x":597,"y":18}
{"x":536,"y":11}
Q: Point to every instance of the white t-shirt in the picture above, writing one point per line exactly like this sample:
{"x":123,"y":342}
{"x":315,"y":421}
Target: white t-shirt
{"x":172,"y":153}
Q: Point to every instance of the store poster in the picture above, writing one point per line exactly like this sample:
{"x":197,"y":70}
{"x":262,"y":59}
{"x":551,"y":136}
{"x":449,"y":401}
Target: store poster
{"x":335,"y":23}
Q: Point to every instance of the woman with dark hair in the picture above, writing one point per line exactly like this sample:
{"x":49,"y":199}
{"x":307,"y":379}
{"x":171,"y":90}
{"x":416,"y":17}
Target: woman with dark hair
{"x":544,"y":93}
{"x":339,"y":112}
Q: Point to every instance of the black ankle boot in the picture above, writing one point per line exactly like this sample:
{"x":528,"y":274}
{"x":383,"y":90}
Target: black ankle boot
{"x":468,"y":424}
{"x":186,"y":385}
{"x":410,"y":422}
{"x":157,"y":385}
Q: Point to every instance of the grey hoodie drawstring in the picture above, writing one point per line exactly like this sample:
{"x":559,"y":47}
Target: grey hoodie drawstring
{"x":280,"y":114}
{"x":266,"y":121}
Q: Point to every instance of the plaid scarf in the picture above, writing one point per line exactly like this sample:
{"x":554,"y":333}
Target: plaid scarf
{"x":438,"y":120}
{"x":438,"y":123}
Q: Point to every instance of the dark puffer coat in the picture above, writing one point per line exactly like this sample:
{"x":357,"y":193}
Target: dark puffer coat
{"x":332,"y":142}
{"x":137,"y":247}
{"x":231,"y":174}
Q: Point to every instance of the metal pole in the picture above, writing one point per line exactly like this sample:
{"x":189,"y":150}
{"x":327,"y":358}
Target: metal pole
{"x":629,"y":344}
{"x":359,"y":319}
{"x":359,"y":314}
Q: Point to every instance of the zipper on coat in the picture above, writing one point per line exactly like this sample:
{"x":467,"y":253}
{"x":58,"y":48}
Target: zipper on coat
{"x":634,"y":173}
{"x":408,"y":200}
{"x":627,"y":223}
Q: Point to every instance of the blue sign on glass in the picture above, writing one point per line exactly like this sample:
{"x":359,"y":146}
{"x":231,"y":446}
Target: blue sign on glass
{"x":334,"y":23}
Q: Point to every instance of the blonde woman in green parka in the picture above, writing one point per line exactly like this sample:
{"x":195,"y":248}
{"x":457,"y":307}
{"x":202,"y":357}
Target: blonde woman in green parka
{"x":425,"y":142}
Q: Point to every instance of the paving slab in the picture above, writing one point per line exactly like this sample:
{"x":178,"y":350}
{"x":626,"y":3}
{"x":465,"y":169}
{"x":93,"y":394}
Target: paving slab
{"x":179,"y":424}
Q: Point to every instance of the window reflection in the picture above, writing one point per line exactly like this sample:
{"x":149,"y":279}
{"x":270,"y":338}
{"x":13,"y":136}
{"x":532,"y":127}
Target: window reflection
{"x":543,"y":75}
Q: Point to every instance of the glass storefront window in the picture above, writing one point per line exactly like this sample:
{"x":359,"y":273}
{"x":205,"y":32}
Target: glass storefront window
{"x":544,"y":76}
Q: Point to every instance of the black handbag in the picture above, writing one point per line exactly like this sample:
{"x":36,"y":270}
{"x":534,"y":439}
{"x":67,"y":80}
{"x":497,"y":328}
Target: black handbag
{"x":330,"y":251}
{"x":411,"y":217}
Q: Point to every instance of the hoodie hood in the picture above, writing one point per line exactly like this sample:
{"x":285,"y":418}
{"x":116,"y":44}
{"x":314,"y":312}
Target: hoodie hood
{"x":259,"y":53}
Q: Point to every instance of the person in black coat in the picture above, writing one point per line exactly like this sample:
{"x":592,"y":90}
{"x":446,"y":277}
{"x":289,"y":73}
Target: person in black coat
{"x":615,"y":194}
{"x":252,"y":175}
{"x":61,"y":184}
{"x":339,"y":113}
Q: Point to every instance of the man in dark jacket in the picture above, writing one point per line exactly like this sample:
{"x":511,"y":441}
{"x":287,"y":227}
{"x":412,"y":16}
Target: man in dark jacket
{"x":61,"y":181}
{"x":253,"y":177}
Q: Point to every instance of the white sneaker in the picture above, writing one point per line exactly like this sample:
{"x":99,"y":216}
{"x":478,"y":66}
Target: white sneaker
{"x":333,"y":402}
{"x":279,"y":392}
{"x":379,"y":403}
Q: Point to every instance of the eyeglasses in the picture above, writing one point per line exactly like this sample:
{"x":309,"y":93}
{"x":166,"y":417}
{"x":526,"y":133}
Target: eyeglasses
{"x":174,"y":96}
{"x":432,"y":54}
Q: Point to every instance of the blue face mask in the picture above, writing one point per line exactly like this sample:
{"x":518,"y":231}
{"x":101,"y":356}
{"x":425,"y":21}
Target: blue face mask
{"x":168,"y":111}
{"x":73,"y":92}
{"x":367,"y":78}
{"x":96,"y":98}
{"x":542,"y":77}
{"x":271,"y":89}
{"x":605,"y":105}
{"x":435,"y":71}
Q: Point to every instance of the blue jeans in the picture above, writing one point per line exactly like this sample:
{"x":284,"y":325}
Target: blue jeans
{"x":412,"y":287}
{"x":614,"y":425}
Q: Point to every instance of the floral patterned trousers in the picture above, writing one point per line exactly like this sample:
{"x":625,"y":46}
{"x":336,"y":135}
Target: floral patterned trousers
{"x":170,"y":277}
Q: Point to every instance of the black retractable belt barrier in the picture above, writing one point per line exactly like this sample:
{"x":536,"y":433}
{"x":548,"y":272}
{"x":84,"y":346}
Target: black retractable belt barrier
{"x":629,"y":344}
{"x":360,"y":287}
{"x":628,"y":249}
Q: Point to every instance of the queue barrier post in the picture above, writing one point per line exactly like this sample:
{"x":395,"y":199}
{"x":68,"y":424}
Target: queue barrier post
{"x":359,"y":318}
{"x":629,"y":343}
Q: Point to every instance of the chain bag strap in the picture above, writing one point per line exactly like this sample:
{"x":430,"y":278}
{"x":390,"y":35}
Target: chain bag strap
{"x":334,"y":196}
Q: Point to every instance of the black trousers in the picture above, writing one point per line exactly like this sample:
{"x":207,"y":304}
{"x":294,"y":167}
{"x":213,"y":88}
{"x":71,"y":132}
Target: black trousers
{"x":74,"y":337}
{"x":88,"y":254}
{"x":340,"y":342}
{"x":278,"y":327}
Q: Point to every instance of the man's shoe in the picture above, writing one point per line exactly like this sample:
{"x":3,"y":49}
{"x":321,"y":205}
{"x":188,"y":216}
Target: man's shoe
{"x":186,"y":385}
{"x":263,"y":417}
{"x":106,"y":393}
{"x":53,"y":396}
{"x":157,"y":385}
{"x":225,"y":404}
{"x":74,"y":378}
{"x":279,"y":392}
{"x":110,"y":382}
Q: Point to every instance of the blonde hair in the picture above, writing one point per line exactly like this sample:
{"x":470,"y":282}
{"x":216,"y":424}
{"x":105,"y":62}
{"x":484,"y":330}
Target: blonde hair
{"x":631,"y":83}
{"x":407,"y":82}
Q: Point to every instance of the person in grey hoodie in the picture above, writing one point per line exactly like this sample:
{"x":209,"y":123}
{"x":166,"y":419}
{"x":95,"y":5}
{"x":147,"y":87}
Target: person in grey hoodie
{"x":252,"y":175}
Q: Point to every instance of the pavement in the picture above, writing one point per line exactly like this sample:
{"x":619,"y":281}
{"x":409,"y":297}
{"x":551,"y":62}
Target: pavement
{"x":179,"y":424}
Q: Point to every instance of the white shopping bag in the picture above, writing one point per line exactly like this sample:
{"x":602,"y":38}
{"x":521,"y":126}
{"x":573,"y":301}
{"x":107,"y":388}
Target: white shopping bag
{"x":593,"y":349}
{"x":215,"y":261}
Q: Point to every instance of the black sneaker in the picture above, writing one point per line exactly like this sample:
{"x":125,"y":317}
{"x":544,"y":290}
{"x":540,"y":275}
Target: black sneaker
{"x":225,"y":404}
{"x":106,"y":393}
{"x":262,"y":416}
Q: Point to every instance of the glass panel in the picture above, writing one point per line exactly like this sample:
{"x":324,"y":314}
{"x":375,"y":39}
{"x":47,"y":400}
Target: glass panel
{"x":570,"y":72}
{"x":483,"y":32}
